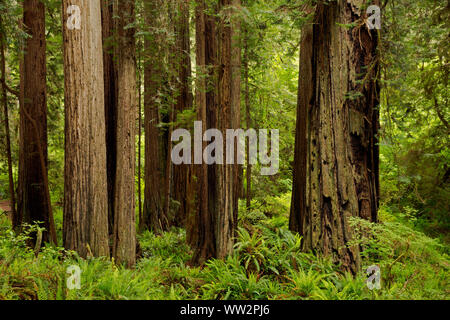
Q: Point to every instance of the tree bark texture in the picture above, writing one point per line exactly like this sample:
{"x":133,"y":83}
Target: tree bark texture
{"x":336,"y":165}
{"x":85,"y":227}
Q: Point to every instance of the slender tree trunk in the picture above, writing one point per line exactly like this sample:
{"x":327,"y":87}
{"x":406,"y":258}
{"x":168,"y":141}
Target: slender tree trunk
{"x":139,"y":132}
{"x":154,"y":216}
{"x":248,"y":193}
{"x":85,"y":187}
{"x":224,"y":206}
{"x":15,"y":221}
{"x":236,"y":99}
{"x":110,"y":81}
{"x":182,"y":172}
{"x":337,"y":126}
{"x":200,"y":229}
{"x":124,"y":248}
{"x":33,"y":198}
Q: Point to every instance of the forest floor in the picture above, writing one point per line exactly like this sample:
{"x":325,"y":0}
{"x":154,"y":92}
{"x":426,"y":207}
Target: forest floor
{"x":267,"y":264}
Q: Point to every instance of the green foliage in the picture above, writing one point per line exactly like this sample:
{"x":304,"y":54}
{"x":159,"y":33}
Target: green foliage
{"x":267,"y":264}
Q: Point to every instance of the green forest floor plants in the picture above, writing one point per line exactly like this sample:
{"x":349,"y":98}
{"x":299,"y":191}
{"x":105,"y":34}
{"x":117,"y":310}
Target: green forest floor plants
{"x":267,"y":264}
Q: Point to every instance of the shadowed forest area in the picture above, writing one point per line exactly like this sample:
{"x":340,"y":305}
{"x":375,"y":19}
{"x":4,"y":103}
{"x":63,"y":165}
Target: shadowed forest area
{"x":124,"y":175}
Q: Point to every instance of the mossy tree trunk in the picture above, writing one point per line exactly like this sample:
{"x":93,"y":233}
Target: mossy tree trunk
{"x":336,"y":156}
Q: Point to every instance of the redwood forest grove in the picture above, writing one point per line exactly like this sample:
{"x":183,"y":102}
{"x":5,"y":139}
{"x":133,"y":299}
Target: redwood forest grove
{"x":224,"y":150}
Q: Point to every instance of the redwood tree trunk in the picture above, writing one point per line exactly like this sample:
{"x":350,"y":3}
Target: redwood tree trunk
{"x":182,"y":172}
{"x":248,"y":193}
{"x":15,"y":222}
{"x":33,"y":197}
{"x":124,"y":247}
{"x":236,"y":100}
{"x":85,"y":184}
{"x":336,"y":156}
{"x":110,"y":81}
{"x":224,"y":204}
{"x":200,"y":228}
{"x":153,"y":215}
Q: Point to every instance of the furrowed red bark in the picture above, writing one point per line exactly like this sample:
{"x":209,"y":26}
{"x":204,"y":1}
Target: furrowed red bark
{"x":85,"y":227}
{"x":154,"y":217}
{"x":182,"y":173}
{"x":337,"y":127}
{"x":33,"y":196}
{"x":124,"y":246}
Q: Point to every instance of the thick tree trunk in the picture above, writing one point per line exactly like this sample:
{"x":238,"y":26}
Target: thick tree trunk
{"x":124,"y":247}
{"x":85,"y":186}
{"x":182,"y":172}
{"x":336,"y":165}
{"x":154,"y":216}
{"x":110,"y":81}
{"x":33,"y":197}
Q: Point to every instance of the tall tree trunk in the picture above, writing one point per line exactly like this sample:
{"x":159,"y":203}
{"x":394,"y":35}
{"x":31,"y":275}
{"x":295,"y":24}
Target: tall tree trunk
{"x":85,"y":187}
{"x":33,"y":197}
{"x":200,"y":229}
{"x":236,"y":99}
{"x":124,"y":247}
{"x":224,"y":206}
{"x":248,"y":193}
{"x":154,"y":216}
{"x":139,"y":170}
{"x":182,"y":172}
{"x":15,"y":222}
{"x":336,"y":165}
{"x":110,"y":81}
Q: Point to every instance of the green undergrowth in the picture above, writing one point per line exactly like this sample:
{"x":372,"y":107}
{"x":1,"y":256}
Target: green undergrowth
{"x":267,"y":264}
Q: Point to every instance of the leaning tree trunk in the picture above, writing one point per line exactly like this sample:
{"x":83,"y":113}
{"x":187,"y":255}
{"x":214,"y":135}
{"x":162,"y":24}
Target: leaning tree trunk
{"x":124,"y":247}
{"x":33,"y":196}
{"x":85,"y":226}
{"x":336,"y":156}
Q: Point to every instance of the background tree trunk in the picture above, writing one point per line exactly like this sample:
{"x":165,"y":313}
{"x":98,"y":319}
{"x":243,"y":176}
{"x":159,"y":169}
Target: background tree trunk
{"x":12,"y":192}
{"x":200,"y":229}
{"x":124,"y":248}
{"x":85,"y":185}
{"x":33,"y":197}
{"x":224,"y":205}
{"x":110,"y":81}
{"x":339,"y":98}
{"x":182,"y":173}
{"x":236,"y":99}
{"x":154,"y":216}
{"x":248,"y":193}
